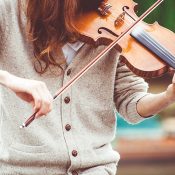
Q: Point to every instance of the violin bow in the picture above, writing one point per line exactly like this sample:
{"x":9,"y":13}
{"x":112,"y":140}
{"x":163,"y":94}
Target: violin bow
{"x":96,"y":59}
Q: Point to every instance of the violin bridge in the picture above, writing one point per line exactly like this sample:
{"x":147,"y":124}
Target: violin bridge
{"x":120,"y":20}
{"x":104,"y":9}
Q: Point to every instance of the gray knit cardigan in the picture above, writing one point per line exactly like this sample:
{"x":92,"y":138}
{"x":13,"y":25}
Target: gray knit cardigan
{"x":47,"y":146}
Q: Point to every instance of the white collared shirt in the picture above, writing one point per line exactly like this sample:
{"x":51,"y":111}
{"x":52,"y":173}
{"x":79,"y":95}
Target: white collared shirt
{"x":70,"y":50}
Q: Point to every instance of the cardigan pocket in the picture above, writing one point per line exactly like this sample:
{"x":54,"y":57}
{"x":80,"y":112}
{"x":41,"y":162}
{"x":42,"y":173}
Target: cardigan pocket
{"x":30,"y":148}
{"x":24,"y":157}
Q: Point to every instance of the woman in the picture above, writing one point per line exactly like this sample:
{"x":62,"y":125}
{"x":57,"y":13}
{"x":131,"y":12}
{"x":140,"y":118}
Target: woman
{"x":74,"y":138}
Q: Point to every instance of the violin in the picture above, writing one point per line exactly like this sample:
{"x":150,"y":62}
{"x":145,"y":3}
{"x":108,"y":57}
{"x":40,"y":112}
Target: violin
{"x":148,"y":50}
{"x":144,"y":49}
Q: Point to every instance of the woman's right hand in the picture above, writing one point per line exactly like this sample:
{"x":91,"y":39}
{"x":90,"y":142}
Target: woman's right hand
{"x":34,"y":92}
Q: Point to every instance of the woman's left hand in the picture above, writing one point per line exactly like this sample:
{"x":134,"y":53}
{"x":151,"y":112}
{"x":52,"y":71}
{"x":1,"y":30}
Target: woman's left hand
{"x":170,"y":92}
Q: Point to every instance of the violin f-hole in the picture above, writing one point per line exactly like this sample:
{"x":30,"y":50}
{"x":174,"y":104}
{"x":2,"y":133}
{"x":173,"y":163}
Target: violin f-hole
{"x":108,"y":30}
{"x":120,"y":19}
{"x":125,"y":8}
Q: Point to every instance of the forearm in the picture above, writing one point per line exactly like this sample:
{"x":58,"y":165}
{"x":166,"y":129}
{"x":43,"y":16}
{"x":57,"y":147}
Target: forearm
{"x":3,"y":77}
{"x":152,"y":104}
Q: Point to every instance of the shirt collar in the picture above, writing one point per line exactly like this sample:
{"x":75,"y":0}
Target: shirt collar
{"x":76,"y":46}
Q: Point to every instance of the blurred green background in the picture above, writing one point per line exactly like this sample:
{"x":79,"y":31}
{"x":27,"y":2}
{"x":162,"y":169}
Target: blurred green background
{"x":148,"y":148}
{"x":164,"y":14}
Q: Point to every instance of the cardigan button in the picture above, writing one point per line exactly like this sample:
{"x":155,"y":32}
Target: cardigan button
{"x":74,"y":173}
{"x":69,"y":72}
{"x":67,"y":100}
{"x":68,"y":127}
{"x":74,"y":153}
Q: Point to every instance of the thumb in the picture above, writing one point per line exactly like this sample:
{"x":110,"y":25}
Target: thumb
{"x":171,"y":71}
{"x":173,"y":80}
{"x":33,"y":105}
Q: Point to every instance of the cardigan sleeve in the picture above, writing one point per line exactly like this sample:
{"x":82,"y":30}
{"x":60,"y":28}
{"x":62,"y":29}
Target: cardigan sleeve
{"x":128,"y":90}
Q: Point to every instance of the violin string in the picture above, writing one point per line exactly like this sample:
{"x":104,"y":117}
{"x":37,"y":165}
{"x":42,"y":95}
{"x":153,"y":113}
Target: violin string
{"x":152,"y":42}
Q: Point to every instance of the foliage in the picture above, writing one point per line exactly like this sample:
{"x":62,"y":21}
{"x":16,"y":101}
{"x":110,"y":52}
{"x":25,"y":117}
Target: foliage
{"x":164,"y":14}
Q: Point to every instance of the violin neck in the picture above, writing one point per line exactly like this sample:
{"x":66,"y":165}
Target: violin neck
{"x":150,"y":43}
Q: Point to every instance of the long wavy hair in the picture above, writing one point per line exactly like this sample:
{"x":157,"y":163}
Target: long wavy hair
{"x":50,"y":26}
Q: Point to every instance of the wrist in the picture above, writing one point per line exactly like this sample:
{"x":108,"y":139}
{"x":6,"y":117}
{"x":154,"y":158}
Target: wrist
{"x":4,"y":77}
{"x":167,"y":98}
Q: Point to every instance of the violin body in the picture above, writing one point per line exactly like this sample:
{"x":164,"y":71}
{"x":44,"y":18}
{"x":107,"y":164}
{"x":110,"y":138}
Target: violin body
{"x":148,"y":50}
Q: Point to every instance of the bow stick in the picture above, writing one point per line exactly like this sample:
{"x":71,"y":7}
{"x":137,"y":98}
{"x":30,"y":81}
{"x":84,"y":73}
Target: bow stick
{"x":96,"y":59}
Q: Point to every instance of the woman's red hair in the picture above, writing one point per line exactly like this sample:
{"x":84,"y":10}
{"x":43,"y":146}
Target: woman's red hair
{"x":50,"y":25}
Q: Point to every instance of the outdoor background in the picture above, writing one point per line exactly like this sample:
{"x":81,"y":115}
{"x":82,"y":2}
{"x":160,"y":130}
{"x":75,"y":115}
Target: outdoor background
{"x":149,"y":147}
